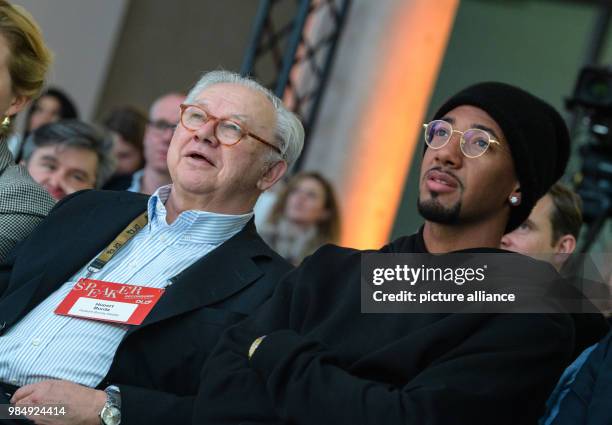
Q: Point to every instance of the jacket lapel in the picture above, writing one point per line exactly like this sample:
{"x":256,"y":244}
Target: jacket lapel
{"x":74,"y":241}
{"x":76,"y":246}
{"x":14,"y":303}
{"x":217,"y":276}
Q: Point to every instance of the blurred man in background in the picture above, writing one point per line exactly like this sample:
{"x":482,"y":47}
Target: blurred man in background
{"x":164,"y":116}
{"x":68,"y":156}
{"x":551,"y":230}
{"x":163,"y":119}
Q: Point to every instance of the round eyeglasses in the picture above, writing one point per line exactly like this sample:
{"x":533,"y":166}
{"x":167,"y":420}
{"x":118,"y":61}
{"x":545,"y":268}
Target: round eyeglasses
{"x":226,"y":131}
{"x":474,"y":142}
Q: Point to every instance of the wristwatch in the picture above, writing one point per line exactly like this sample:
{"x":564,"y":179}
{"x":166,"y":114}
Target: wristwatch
{"x":111,"y":412}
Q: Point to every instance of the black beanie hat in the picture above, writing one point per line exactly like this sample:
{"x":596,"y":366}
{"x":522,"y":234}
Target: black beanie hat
{"x":536,"y":133}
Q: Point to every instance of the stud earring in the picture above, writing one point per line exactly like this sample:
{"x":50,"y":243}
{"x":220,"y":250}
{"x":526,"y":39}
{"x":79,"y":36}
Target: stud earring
{"x":514,"y":200}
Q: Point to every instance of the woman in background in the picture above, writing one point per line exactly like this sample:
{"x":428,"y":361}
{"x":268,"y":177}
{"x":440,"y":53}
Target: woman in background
{"x":24,"y":61}
{"x":304,"y":217}
{"x":127,"y":124}
{"x":51,"y":106}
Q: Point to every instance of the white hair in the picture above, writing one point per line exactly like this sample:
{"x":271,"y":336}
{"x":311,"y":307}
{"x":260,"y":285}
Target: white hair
{"x":289,"y":131}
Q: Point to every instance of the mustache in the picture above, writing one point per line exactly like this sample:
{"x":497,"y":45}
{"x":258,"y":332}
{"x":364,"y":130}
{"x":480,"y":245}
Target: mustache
{"x":446,"y":171}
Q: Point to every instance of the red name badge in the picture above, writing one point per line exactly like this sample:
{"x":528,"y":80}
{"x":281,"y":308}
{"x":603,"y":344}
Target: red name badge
{"x":109,"y":302}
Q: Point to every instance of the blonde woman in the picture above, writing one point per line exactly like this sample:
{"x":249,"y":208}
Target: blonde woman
{"x":24,"y":60}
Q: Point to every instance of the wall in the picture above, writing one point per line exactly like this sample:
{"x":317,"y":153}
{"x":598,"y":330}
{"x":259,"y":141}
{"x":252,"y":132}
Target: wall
{"x":165,"y":46}
{"x":377,"y":94}
{"x":82,"y":35}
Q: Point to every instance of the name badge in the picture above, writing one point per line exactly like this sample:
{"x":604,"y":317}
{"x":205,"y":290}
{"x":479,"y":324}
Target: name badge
{"x":109,"y":302}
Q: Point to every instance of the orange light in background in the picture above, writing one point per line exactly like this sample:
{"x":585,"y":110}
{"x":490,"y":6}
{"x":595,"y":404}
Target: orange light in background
{"x":390,"y":129}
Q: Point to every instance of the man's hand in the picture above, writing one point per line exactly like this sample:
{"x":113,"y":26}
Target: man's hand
{"x":82,"y":404}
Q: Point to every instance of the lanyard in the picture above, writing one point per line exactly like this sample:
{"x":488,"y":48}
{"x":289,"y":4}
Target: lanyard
{"x":126,"y":234}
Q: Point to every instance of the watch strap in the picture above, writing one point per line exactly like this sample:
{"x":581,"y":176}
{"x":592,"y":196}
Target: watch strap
{"x":113,"y":395}
{"x":113,"y":402}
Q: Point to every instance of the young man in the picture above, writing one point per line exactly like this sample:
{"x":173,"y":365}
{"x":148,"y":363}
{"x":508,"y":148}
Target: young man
{"x":310,"y":357}
{"x":551,"y":230}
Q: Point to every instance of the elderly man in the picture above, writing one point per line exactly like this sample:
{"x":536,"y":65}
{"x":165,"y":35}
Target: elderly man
{"x":309,"y":356}
{"x":77,"y":323}
{"x":551,"y":230}
{"x":67,"y":156}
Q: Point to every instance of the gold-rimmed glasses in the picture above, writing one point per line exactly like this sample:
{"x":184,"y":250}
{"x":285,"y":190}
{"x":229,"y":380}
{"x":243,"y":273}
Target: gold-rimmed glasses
{"x":474,"y":142}
{"x":226,"y":131}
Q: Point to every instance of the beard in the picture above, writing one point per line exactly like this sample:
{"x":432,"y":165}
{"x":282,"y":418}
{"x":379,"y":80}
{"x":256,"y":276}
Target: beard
{"x":432,"y":210}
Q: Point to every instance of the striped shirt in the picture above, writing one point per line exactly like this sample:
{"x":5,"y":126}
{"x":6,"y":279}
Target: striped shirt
{"x":44,"y":345}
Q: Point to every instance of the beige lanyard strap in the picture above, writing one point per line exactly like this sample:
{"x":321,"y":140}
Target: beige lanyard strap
{"x":126,"y":234}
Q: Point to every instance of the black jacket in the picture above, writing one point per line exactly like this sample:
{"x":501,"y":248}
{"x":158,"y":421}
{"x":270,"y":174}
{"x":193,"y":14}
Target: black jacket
{"x":323,"y":362}
{"x":158,"y":363}
{"x":120,"y":182}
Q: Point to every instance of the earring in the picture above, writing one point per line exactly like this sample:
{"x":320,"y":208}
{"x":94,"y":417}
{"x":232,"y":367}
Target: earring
{"x":6,"y":122}
{"x":514,"y":200}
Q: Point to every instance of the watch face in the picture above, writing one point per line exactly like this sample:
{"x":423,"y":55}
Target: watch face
{"x":110,"y":415}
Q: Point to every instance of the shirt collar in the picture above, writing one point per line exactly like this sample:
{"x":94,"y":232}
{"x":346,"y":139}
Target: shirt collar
{"x":136,"y":179}
{"x":199,"y":226}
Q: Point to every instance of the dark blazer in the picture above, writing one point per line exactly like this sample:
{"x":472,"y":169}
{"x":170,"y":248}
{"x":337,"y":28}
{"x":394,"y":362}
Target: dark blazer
{"x":121,"y":182}
{"x":157,"y":366}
